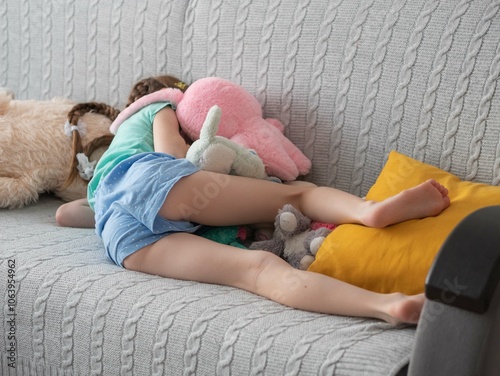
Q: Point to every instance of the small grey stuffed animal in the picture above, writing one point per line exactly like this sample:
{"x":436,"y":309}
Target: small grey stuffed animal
{"x":293,"y":240}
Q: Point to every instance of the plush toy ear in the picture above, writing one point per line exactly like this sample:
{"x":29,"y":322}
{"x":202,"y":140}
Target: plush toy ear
{"x":211,"y":123}
{"x":276,"y":151}
{"x":206,"y":152}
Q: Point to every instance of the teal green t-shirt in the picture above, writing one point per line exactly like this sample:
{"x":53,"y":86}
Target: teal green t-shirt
{"x":134,"y":136}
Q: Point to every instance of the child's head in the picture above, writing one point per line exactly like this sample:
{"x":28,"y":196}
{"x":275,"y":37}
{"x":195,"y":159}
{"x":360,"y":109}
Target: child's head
{"x":151,"y":84}
{"x":140,"y":89}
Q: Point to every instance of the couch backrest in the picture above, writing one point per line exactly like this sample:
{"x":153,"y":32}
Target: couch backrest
{"x":87,"y":50}
{"x":351,"y":80}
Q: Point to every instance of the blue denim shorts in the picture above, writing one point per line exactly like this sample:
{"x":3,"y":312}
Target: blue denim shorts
{"x":128,"y":199}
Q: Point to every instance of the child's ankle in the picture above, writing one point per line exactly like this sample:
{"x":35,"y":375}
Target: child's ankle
{"x":403,"y":309}
{"x":373,"y":216}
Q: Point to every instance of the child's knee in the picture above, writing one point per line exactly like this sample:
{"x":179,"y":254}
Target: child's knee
{"x":62,"y":215}
{"x":261,"y":266}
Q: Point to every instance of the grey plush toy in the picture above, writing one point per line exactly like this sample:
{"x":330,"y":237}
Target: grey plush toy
{"x":293,"y":239}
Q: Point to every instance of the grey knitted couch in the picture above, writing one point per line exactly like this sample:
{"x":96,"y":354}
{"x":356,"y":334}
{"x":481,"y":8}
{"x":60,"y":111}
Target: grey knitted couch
{"x":351,"y":80}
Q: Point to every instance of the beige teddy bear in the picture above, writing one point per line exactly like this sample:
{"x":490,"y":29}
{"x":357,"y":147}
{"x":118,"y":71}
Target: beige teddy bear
{"x":37,"y":148}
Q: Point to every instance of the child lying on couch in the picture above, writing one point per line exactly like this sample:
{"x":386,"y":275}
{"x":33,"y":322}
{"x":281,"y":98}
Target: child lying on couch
{"x":143,"y":203}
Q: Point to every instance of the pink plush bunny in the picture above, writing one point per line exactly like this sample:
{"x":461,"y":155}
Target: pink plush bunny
{"x":242,"y":122}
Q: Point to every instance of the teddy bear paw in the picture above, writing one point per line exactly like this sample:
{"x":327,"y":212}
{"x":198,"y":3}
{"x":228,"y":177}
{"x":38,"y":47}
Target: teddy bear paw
{"x":315,"y":244}
{"x":315,"y":238}
{"x":288,"y":222}
{"x":305,"y":262}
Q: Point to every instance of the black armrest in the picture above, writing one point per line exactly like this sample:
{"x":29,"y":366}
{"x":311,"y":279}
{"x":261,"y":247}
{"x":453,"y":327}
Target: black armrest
{"x":459,"y":329}
{"x":467,"y":269}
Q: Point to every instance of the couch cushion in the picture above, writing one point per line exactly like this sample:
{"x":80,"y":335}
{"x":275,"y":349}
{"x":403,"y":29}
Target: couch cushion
{"x":398,"y":257}
{"x":79,"y":313}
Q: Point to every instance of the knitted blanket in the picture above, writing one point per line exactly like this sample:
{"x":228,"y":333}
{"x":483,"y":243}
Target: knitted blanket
{"x":77,"y":313}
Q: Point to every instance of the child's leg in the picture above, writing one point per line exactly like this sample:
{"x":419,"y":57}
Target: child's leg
{"x":189,"y":257}
{"x":215,"y":199}
{"x":75,"y":214}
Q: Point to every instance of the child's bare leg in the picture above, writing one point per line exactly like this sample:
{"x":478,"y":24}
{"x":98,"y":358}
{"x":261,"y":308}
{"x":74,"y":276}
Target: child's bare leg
{"x":215,"y":199}
{"x":424,"y":200}
{"x":75,"y":214}
{"x":189,"y":257}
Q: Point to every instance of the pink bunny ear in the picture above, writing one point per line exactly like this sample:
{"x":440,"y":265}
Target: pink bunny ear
{"x":281,"y":157}
{"x":169,"y":94}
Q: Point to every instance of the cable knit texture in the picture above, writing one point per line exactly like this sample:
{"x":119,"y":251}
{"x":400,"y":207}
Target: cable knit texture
{"x":350,"y":80}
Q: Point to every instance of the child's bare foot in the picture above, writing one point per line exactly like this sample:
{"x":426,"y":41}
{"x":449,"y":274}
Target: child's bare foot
{"x":403,"y":309}
{"x":424,"y":200}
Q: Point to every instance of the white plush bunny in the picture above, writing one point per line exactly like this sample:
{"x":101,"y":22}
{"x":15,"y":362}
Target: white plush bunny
{"x":219,"y":154}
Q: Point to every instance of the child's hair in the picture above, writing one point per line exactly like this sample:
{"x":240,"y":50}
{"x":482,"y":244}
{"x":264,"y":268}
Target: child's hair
{"x":152,"y":84}
{"x":140,"y":89}
{"x":74,"y":116}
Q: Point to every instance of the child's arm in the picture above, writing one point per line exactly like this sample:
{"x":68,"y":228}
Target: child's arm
{"x":75,"y":214}
{"x":167,"y":138}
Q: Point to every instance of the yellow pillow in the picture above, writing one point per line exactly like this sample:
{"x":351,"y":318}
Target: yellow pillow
{"x":398,"y":257}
